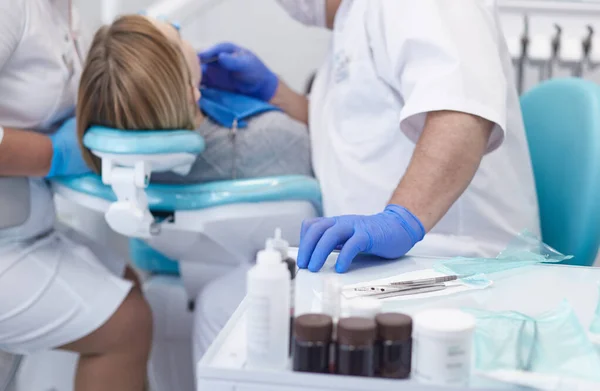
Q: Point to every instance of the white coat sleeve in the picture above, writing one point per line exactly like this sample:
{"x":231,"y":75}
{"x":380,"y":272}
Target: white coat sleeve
{"x":12,"y":26}
{"x":442,"y":55}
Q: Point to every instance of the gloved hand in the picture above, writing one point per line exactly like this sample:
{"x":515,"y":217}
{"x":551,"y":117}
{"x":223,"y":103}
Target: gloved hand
{"x":67,"y":158}
{"x":389,"y":234}
{"x":238,"y":70}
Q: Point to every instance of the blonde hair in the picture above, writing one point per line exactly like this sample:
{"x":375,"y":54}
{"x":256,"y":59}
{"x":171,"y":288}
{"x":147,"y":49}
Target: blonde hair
{"x":134,"y":78}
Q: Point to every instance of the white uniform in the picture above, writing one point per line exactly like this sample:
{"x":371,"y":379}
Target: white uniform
{"x":392,"y":62}
{"x":56,"y":287}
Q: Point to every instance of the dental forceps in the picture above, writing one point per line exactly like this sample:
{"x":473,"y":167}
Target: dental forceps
{"x":383,"y":292}
{"x":404,"y":288}
{"x":211,"y":60}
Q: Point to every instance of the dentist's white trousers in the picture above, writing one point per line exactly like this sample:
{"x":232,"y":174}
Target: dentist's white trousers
{"x":56,"y":289}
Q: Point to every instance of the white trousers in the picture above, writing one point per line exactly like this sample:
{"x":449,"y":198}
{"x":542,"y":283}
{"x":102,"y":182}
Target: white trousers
{"x":56,"y":290}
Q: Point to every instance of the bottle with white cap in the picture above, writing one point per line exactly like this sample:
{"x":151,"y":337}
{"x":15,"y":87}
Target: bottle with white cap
{"x":279,"y":244}
{"x":267,"y":319}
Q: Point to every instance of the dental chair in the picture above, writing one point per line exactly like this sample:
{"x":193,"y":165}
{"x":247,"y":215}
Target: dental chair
{"x":183,"y":236}
{"x":562,"y":122}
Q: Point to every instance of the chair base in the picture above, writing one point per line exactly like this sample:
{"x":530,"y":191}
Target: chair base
{"x":171,"y":365}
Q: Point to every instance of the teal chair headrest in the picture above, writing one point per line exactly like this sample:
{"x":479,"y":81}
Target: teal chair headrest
{"x":562,"y":122}
{"x":146,"y":142}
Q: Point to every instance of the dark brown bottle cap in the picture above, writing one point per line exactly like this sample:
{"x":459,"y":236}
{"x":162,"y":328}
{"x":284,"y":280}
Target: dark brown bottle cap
{"x":356,"y":331}
{"x":313,"y":328}
{"x":393,"y":327}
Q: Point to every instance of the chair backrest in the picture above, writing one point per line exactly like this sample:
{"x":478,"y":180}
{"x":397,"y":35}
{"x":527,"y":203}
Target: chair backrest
{"x":562,"y":122}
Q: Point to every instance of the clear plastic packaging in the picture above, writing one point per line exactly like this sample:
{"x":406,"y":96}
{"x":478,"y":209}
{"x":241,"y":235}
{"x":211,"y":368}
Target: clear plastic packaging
{"x":331,"y":301}
{"x":554,"y":343}
{"x":525,"y":250}
{"x":365,"y":307}
{"x":595,"y":326}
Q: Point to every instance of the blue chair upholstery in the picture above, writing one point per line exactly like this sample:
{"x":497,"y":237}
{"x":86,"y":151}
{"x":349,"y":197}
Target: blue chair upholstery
{"x":562,"y":122}
{"x":147,"y":259}
{"x":101,"y":139}
{"x":169,"y":198}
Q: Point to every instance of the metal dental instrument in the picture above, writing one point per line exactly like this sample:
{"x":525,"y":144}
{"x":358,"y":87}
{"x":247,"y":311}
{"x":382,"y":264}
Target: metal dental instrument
{"x":555,"y":56}
{"x":586,"y":44}
{"x":406,"y":291}
{"x":524,"y":56}
{"x":426,"y":281}
{"x":406,"y":285}
{"x":216,"y":58}
{"x":211,"y":60}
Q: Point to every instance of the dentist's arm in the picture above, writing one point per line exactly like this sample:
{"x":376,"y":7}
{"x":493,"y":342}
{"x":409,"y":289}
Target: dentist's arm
{"x":443,"y":164}
{"x":293,"y":103}
{"x":22,"y":153}
{"x":26,"y":153}
{"x":232,"y":68}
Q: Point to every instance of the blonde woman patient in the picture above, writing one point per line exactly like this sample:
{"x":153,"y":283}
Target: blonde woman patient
{"x":141,"y":75}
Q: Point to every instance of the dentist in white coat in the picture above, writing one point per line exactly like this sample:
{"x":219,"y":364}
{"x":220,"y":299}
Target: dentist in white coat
{"x":58,"y":290}
{"x":416,"y":129}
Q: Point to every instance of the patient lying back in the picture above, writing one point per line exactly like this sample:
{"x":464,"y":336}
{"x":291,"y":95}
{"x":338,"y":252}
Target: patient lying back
{"x":271,"y":144}
{"x":141,"y":75}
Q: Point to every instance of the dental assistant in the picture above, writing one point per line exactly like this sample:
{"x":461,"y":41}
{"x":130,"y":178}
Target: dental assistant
{"x":417,"y":136}
{"x":57,"y":289}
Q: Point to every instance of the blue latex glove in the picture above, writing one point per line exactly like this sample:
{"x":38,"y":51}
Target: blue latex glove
{"x":66,"y":152}
{"x":238,"y":70}
{"x":389,"y":234}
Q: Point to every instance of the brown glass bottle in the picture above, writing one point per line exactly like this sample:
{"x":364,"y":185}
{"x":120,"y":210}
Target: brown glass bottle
{"x":312,"y":338}
{"x":355,"y":347}
{"x":291,"y":265}
{"x":394,"y":332}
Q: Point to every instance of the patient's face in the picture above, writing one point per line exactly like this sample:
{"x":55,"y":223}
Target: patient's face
{"x":186,"y":48}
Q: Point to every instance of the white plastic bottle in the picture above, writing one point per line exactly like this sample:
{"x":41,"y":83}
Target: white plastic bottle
{"x":267,"y":319}
{"x":279,"y":244}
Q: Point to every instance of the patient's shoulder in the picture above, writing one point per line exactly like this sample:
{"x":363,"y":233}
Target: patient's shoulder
{"x":276,"y":120}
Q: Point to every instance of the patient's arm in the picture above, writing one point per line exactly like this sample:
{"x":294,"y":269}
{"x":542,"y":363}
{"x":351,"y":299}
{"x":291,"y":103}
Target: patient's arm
{"x":24,"y":153}
{"x":293,"y":103}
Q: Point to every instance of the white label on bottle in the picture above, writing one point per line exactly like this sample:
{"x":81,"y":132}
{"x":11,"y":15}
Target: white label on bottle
{"x":257,"y":328}
{"x":268,"y":321}
{"x":442,"y":362}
